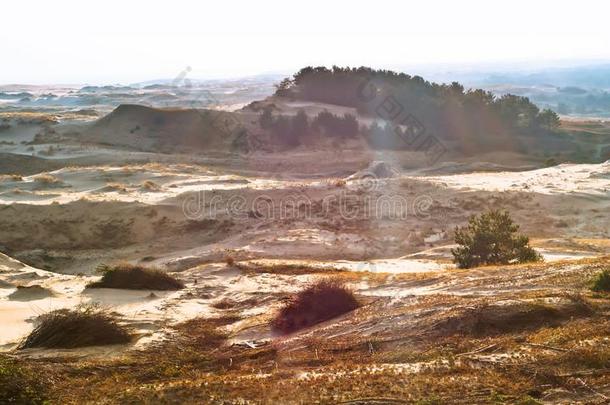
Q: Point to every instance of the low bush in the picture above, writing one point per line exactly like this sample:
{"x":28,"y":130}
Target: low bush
{"x":601,"y":282}
{"x":86,"y":325}
{"x":491,"y":238}
{"x":317,"y":303}
{"x":517,"y":317}
{"x":134,"y":277}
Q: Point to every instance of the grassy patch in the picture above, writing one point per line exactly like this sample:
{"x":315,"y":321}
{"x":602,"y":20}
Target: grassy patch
{"x":601,"y":283}
{"x":204,"y":332}
{"x":501,"y":319}
{"x":319,"y":302}
{"x":19,"y":385}
{"x":87,"y":325}
{"x":133,"y":277}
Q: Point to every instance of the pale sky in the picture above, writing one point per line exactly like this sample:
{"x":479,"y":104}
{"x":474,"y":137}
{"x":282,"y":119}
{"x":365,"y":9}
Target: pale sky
{"x":127,"y":41}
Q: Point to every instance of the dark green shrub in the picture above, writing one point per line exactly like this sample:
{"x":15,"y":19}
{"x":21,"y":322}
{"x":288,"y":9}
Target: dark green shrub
{"x":601,"y":283}
{"x":491,"y":238}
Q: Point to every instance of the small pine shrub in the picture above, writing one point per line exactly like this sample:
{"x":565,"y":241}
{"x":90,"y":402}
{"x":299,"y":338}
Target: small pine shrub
{"x":601,"y":283}
{"x":491,"y":238}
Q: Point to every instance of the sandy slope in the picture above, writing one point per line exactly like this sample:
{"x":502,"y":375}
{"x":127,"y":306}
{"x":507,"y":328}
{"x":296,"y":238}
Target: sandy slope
{"x":72,"y":219}
{"x":285,"y":219}
{"x":68,"y":204}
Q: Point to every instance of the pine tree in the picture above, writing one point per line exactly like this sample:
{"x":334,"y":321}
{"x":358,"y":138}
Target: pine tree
{"x":491,"y":238}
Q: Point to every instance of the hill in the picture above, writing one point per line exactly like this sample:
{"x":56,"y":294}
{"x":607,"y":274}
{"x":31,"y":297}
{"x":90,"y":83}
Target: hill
{"x":26,"y":165}
{"x":447,"y":110}
{"x":385,"y":110}
{"x":355,"y":109}
{"x":167,"y":130}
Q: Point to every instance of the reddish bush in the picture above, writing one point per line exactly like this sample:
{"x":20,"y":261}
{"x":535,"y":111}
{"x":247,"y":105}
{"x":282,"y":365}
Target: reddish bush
{"x":317,"y":303}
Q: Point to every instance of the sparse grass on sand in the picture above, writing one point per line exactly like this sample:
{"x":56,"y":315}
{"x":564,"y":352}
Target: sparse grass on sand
{"x":289,"y":269}
{"x":18,"y":385}
{"x":10,"y":177}
{"x":150,"y":185}
{"x":543,"y":340}
{"x":601,"y":282}
{"x":317,"y":303}
{"x":134,"y":277}
{"x":46,"y":178}
{"x":87,"y":325}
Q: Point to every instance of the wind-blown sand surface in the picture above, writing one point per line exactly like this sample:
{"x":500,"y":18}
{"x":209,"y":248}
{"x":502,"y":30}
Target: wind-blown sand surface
{"x":72,"y":194}
{"x":587,"y":179}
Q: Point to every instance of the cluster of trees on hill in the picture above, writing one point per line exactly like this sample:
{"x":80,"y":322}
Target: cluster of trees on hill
{"x":446,"y":109}
{"x":293,"y":129}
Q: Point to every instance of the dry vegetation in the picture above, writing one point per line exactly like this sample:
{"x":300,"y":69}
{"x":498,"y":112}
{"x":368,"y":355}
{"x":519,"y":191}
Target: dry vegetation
{"x":544,"y":340}
{"x":601,"y":283}
{"x":319,"y":302}
{"x":133,"y":277}
{"x":84,"y":326}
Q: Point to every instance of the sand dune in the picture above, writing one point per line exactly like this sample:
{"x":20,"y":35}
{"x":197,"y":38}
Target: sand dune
{"x":145,"y":128}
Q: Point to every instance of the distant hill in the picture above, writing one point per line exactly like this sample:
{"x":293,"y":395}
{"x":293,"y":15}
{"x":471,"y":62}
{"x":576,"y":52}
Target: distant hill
{"x":448,"y":111}
{"x":359,"y":109}
{"x":167,"y":130}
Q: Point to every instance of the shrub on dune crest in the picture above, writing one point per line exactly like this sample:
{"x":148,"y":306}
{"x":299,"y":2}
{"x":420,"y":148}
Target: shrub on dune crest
{"x":317,"y":303}
{"x":87,"y":325}
{"x":133,"y":277}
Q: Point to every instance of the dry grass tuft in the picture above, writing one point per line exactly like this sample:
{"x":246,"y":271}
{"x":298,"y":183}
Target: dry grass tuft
{"x":46,"y":179}
{"x":151,"y":186}
{"x":134,"y":277}
{"x":87,"y":325}
{"x":489,"y":319}
{"x":10,"y":177}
